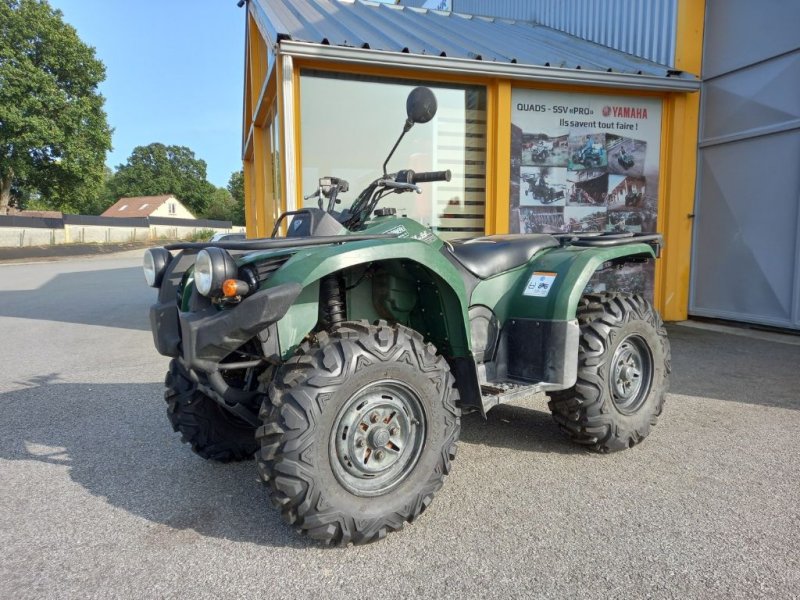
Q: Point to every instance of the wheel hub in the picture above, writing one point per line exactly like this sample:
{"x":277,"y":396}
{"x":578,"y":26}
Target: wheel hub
{"x":377,"y":438}
{"x":631,"y":374}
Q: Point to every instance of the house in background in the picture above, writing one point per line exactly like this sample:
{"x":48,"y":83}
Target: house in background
{"x":149,"y":206}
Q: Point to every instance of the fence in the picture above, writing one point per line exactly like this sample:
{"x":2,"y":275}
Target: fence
{"x":18,"y":231}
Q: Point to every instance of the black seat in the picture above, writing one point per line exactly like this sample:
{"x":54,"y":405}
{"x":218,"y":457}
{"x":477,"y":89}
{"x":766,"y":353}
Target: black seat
{"x":493,"y":254}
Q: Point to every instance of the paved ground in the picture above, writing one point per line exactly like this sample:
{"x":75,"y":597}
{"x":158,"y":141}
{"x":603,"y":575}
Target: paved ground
{"x":60,"y":251}
{"x":100,"y":499}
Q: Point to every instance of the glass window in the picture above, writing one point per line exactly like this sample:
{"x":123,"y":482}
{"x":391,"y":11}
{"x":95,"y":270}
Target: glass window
{"x":350,"y":123}
{"x":276,"y":166}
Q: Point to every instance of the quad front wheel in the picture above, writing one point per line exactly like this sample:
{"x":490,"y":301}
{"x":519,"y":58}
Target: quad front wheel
{"x":359,"y":431}
{"x":623,"y":373}
{"x":211,"y":431}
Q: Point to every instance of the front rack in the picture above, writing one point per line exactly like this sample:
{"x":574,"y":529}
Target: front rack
{"x":278,"y":243}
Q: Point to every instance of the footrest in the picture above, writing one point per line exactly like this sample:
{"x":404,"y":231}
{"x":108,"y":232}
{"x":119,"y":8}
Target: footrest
{"x":498,"y":392}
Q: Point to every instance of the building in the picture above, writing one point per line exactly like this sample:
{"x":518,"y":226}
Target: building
{"x":167,"y":206}
{"x":325,"y":87}
{"x":745,"y":262}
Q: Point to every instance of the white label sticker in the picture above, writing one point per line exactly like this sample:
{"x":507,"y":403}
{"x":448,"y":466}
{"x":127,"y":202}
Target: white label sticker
{"x":399,"y":231}
{"x":539,"y":284}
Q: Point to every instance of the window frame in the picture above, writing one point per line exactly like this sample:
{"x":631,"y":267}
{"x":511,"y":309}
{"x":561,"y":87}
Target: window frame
{"x":389,"y":76}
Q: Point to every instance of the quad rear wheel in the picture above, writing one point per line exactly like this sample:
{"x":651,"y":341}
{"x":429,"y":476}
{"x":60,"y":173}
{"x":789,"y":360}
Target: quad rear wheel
{"x":623,"y":373}
{"x":211,"y":431}
{"x":358,"y":432}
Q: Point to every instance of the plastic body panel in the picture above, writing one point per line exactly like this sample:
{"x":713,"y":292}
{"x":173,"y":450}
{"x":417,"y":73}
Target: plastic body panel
{"x":419,"y":256}
{"x":573,"y":267}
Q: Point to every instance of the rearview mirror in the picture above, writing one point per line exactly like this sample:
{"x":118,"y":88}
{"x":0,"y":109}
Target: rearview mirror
{"x":421,"y":105}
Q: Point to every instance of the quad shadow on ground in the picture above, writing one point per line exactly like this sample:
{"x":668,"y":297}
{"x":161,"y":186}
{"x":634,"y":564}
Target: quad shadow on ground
{"x":115,"y":441}
{"x":517,"y":428}
{"x":115,"y":297}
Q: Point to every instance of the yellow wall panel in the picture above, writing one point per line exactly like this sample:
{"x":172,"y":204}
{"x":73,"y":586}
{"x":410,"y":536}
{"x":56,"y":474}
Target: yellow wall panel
{"x":499,"y":159}
{"x":681,"y":128}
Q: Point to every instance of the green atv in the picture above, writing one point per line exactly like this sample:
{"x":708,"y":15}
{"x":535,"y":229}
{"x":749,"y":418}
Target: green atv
{"x":343,"y":354}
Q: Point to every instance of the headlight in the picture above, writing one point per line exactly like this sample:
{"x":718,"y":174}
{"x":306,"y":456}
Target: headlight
{"x":211,"y":268}
{"x":155,"y":265}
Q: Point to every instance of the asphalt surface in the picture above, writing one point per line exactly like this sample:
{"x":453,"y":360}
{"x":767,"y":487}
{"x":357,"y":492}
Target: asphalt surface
{"x":99,"y":498}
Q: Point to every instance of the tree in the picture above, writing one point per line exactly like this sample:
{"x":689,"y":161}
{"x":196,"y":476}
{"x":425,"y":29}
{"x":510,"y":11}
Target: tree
{"x":236,"y":189}
{"x":104,"y":197}
{"x":236,"y":186}
{"x":53,"y":130}
{"x":222,"y":207}
{"x":157,"y":169}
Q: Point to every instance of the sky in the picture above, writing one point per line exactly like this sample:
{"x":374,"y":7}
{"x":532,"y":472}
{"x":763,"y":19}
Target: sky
{"x":174,"y":74}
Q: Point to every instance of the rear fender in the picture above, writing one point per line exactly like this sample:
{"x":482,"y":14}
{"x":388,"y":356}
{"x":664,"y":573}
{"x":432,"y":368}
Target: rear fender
{"x":540,"y":334}
{"x":569,"y":270}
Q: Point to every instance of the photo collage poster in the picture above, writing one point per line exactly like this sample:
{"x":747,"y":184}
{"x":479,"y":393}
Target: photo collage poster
{"x":584,"y":163}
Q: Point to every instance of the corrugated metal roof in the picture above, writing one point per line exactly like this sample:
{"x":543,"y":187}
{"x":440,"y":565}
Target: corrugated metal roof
{"x":644,"y":28}
{"x":403,"y":29}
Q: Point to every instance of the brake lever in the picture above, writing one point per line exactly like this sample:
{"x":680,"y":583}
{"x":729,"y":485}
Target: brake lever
{"x":396,"y":185}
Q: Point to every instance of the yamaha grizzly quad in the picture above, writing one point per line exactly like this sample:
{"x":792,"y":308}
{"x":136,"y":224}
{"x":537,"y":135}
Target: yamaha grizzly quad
{"x":589,"y":158}
{"x":342,"y":355}
{"x":625,"y":159}
{"x":539,"y":189}
{"x":633,"y":199}
{"x":539,"y":153}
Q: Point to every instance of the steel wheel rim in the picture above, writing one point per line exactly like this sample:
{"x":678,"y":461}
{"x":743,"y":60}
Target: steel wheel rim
{"x":631,"y":374}
{"x":377,"y":438}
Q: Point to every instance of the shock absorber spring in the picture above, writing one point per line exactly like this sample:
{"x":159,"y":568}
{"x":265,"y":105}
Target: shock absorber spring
{"x":333,"y":300}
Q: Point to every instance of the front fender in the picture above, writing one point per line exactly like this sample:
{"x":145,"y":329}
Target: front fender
{"x":308,"y":266}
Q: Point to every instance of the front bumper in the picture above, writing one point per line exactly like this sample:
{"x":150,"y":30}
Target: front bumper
{"x":203,"y":338}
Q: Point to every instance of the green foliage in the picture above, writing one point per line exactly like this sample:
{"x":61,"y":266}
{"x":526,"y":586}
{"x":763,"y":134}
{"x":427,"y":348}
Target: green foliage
{"x":103,"y":199}
{"x":221,"y":207}
{"x":201,"y":235}
{"x":53,"y":130}
{"x":32,"y":203}
{"x":157,"y":169}
{"x":236,"y":189}
{"x":236,"y":186}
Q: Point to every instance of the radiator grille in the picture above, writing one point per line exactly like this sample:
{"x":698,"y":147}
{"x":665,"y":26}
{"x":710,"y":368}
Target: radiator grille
{"x":265,"y":268}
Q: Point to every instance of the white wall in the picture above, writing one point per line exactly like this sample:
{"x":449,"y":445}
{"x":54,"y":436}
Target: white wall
{"x":87,"y":234}
{"x":16,"y":237}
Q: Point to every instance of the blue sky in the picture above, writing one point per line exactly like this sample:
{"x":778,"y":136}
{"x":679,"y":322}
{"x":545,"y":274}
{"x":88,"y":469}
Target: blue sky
{"x":174,"y":74}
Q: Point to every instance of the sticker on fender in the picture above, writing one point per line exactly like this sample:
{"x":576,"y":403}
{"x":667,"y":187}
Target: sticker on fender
{"x":539,"y":284}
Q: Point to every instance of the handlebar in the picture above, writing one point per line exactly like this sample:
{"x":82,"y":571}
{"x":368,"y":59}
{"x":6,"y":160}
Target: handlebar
{"x":432,"y":176}
{"x":410,"y":176}
{"x":402,"y":181}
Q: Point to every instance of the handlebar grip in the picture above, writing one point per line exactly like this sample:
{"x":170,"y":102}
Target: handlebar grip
{"x":430,"y":176}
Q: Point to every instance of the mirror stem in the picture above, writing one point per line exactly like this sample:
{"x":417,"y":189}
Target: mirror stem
{"x":406,"y":129}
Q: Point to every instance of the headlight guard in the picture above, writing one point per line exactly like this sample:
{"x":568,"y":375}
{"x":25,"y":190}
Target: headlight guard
{"x":154,"y":264}
{"x":211,"y":268}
